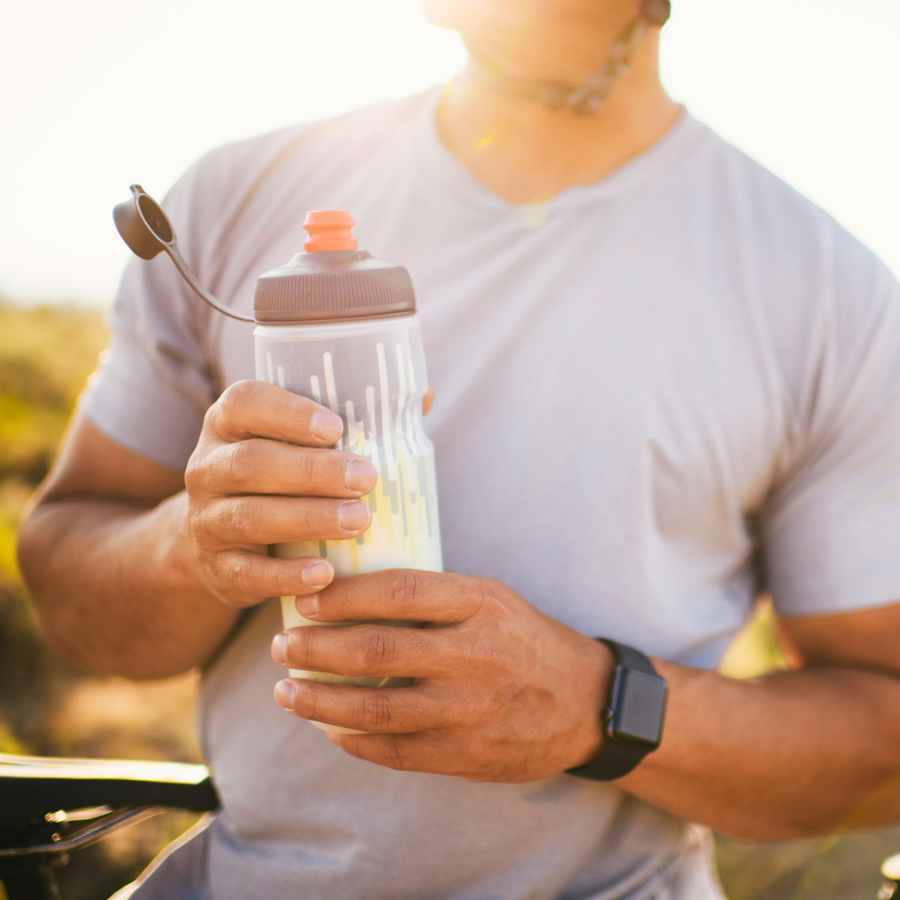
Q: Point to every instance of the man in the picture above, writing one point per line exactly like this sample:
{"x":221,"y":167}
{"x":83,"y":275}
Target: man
{"x":655,"y":365}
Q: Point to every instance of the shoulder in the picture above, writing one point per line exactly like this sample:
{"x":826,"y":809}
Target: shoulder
{"x":236,"y":185}
{"x":236,"y":200}
{"x":820,"y":309}
{"x":241,"y":165}
{"x":782,"y":230}
{"x":812,"y":282}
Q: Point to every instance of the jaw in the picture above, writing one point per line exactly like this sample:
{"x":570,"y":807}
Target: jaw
{"x":562,"y":40}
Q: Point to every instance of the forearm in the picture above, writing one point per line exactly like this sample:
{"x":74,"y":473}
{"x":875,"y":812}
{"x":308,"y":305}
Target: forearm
{"x":115,"y":587}
{"x":787,"y":755}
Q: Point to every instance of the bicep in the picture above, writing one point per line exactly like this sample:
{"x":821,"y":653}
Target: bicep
{"x":866,"y":638}
{"x":91,"y":465}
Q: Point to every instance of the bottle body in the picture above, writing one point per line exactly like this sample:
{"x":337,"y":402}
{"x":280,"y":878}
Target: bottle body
{"x":371,"y":372}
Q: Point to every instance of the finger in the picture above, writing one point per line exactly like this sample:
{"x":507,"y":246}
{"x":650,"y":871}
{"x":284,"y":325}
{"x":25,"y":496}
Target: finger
{"x":257,"y":409}
{"x":236,"y":521}
{"x":258,"y":466}
{"x":246,"y":579}
{"x":398,"y":710}
{"x":427,"y":401}
{"x":407,"y":595}
{"x":370,"y":651}
{"x":420,"y":752}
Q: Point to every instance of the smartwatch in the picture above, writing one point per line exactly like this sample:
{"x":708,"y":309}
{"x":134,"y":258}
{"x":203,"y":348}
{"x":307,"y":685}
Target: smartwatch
{"x":632,"y":716}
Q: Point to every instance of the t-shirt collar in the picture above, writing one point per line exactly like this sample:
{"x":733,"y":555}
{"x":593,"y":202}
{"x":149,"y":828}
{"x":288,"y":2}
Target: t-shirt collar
{"x":447,"y":173}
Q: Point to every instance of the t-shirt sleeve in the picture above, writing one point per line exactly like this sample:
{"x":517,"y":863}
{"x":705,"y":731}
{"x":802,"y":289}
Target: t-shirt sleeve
{"x":154,"y":382}
{"x":831,"y":528}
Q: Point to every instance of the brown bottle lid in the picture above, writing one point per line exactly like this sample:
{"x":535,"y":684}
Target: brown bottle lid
{"x":332,"y":280}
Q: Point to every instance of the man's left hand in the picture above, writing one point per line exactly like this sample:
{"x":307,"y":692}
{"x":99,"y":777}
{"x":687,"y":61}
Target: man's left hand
{"x":502,"y":691}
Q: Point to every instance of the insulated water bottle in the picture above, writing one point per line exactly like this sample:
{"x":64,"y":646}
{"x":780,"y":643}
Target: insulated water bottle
{"x":340,"y":327}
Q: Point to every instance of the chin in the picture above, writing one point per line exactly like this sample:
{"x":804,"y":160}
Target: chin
{"x":450,"y":13}
{"x":459,"y":14}
{"x":527,"y":25}
{"x":465,"y":15}
{"x":534,"y":38}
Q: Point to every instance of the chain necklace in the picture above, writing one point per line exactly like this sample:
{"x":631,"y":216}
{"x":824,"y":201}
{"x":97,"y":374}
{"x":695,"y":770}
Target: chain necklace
{"x":589,"y":98}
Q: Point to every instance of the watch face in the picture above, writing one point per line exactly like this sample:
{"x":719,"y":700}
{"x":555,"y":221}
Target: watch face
{"x":638,"y":704}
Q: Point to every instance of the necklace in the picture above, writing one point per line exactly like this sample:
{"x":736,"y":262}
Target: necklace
{"x":589,"y":98}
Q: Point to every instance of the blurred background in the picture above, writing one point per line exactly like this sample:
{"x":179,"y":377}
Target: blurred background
{"x":100,"y":94}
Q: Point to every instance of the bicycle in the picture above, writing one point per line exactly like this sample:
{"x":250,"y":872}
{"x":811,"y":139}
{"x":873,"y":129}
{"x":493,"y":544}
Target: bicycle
{"x":51,"y":807}
{"x":890,"y":872}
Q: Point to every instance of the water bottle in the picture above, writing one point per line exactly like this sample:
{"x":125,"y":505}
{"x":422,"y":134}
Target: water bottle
{"x":341,"y":328}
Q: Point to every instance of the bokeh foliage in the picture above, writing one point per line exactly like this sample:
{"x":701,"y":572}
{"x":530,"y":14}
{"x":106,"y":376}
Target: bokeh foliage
{"x":46,"y":707}
{"x":46,"y":354}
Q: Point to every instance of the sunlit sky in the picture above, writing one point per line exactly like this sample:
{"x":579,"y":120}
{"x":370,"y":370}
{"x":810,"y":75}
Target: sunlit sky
{"x":100,"y":93}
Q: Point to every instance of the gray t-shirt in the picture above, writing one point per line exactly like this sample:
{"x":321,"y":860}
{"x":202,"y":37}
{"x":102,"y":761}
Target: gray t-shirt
{"x":645,"y":387}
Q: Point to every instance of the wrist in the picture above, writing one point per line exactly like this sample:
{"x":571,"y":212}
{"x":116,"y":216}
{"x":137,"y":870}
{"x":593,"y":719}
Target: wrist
{"x":631,"y":718}
{"x":174,"y":557}
{"x":599,"y":665}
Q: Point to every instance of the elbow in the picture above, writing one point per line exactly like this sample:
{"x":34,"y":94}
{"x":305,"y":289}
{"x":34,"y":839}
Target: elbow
{"x":64,"y":608}
{"x":34,"y":553}
{"x":77,"y":610}
{"x":37,"y":534}
{"x":31,"y":555}
{"x":149,"y":671}
{"x":143,"y":664}
{"x":873,"y":803}
{"x":763,"y":831}
{"x":100,"y":657}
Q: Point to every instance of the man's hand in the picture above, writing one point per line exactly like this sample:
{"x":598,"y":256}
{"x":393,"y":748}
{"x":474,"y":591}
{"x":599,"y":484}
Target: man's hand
{"x":262,"y":474}
{"x":502,"y":693}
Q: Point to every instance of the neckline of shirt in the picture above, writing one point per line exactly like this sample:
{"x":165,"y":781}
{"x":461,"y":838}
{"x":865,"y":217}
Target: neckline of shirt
{"x":444,"y":170}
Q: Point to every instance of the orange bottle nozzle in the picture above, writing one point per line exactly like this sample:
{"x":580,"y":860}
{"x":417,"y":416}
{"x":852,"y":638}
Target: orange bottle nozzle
{"x":329,"y":229}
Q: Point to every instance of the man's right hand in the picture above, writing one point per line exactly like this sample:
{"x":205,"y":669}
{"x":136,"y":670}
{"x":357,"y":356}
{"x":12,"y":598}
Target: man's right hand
{"x":262,"y":474}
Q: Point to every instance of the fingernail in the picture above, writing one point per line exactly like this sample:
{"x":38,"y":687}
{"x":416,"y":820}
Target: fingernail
{"x":360,"y":475}
{"x":318,"y":574}
{"x":326,"y":426}
{"x":279,"y":647}
{"x":353,"y":515}
{"x":284,"y":693}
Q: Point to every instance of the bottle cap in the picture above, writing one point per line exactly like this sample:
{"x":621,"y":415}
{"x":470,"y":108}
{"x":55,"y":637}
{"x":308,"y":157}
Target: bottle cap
{"x":332,"y":280}
{"x":329,"y":230}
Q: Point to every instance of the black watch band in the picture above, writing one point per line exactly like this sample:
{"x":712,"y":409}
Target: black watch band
{"x":629,"y":657}
{"x":632,"y":716}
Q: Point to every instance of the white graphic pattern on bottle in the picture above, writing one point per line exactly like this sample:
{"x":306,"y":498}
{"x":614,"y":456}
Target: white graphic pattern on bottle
{"x":404,"y":532}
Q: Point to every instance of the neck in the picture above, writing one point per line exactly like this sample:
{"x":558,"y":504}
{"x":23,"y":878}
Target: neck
{"x":527,"y":153}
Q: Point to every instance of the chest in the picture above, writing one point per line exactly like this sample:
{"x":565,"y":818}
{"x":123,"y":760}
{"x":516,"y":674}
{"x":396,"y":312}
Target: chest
{"x":616,"y":416}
